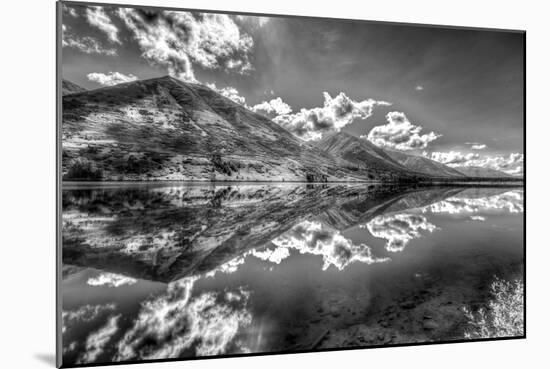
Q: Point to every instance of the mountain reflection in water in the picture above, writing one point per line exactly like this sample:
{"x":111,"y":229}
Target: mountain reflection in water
{"x":155,"y":271}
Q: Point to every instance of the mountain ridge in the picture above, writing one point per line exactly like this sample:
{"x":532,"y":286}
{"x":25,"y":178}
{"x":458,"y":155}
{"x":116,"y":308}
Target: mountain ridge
{"x":68,"y":87}
{"x":424,"y":165}
{"x":166,"y":129}
{"x":473,"y":171}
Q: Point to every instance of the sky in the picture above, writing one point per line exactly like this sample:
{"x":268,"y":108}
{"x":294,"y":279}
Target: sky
{"x":452,"y":95}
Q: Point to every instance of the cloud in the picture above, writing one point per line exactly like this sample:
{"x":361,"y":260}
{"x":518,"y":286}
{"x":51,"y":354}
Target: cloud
{"x":477,"y":218}
{"x":228,"y":267}
{"x":96,"y":341}
{"x":86,"y":44}
{"x":452,"y":158}
{"x":419,"y":88}
{"x":479,"y":147}
{"x":511,"y":164}
{"x":230,"y":92}
{"x":69,"y":347}
{"x":110,"y":280}
{"x":180,"y":40}
{"x":518,"y":171}
{"x":511,"y":201}
{"x":85,"y":313}
{"x":476,"y":145}
{"x":336,"y":113}
{"x":96,"y":16}
{"x":273,"y":256}
{"x":70,"y":11}
{"x":308,"y":237}
{"x":111,"y":79}
{"x":177,"y":321}
{"x":312,"y":238}
{"x":398,"y":229}
{"x":400,"y":134}
{"x":315,"y":238}
{"x":272,"y":108}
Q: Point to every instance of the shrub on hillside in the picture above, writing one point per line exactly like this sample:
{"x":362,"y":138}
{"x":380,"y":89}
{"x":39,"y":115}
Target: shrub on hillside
{"x":82,"y":168}
{"x":504,"y":315}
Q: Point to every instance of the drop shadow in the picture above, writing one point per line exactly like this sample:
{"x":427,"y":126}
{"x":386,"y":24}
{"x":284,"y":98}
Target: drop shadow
{"x":46,"y":358}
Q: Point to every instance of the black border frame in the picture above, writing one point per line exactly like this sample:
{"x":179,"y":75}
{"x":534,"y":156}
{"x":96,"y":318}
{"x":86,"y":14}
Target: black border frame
{"x":59,"y":183}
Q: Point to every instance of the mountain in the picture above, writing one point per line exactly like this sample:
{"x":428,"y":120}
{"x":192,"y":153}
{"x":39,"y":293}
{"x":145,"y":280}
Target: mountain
{"x":70,"y":88}
{"x":483,"y":172}
{"x":164,"y":233}
{"x":166,"y":129}
{"x":360,"y":154}
{"x":424,"y":165}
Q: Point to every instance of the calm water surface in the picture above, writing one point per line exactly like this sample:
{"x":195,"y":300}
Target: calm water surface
{"x":169,"y":270}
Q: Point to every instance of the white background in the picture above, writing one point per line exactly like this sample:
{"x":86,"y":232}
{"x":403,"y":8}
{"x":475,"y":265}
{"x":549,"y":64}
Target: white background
{"x":27,"y":132}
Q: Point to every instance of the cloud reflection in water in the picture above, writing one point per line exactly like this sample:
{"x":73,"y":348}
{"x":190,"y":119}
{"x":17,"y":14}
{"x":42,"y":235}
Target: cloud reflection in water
{"x":316,"y":238}
{"x":169,"y":325}
{"x":398,"y":229}
{"x":511,"y":201}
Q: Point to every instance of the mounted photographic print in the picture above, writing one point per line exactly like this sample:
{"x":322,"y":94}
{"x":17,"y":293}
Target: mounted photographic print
{"x":235,"y":184}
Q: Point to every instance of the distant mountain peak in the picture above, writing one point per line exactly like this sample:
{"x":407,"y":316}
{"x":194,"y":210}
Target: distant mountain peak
{"x":482,"y":172}
{"x":360,"y":152}
{"x":423,"y":165}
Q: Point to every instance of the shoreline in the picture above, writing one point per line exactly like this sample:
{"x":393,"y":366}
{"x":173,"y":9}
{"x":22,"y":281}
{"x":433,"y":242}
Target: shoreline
{"x":81,"y":184}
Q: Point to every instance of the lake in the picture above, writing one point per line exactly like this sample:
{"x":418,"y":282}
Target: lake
{"x":172,"y":270}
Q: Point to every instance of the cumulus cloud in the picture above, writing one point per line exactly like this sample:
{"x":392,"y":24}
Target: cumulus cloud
{"x":453,"y":158}
{"x":400,"y":134}
{"x":177,"y":321}
{"x":111,"y":78}
{"x":312,"y":238}
{"x":70,"y":11}
{"x":315,"y":238}
{"x":399,"y":229}
{"x":274,"y":256}
{"x":479,"y":147}
{"x":336,"y":113}
{"x":110,"y":280}
{"x":511,"y":201}
{"x":228,"y":267}
{"x":476,"y":146}
{"x":478,"y":218}
{"x":97,"y":17}
{"x":230,"y":92}
{"x":518,"y":171}
{"x":85,"y":44}
{"x":510,"y":164}
{"x":180,"y":40}
{"x":272,"y":108}
{"x":96,"y":341}
{"x":85,"y":313}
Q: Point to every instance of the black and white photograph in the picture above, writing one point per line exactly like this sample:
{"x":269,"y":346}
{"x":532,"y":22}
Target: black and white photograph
{"x":233,"y":184}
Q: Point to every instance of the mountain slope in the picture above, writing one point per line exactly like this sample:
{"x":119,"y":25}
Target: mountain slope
{"x":360,"y":154}
{"x":67,"y":87}
{"x":164,"y":128}
{"x":164,"y":233}
{"x":424,"y":165}
{"x":482,"y":172}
